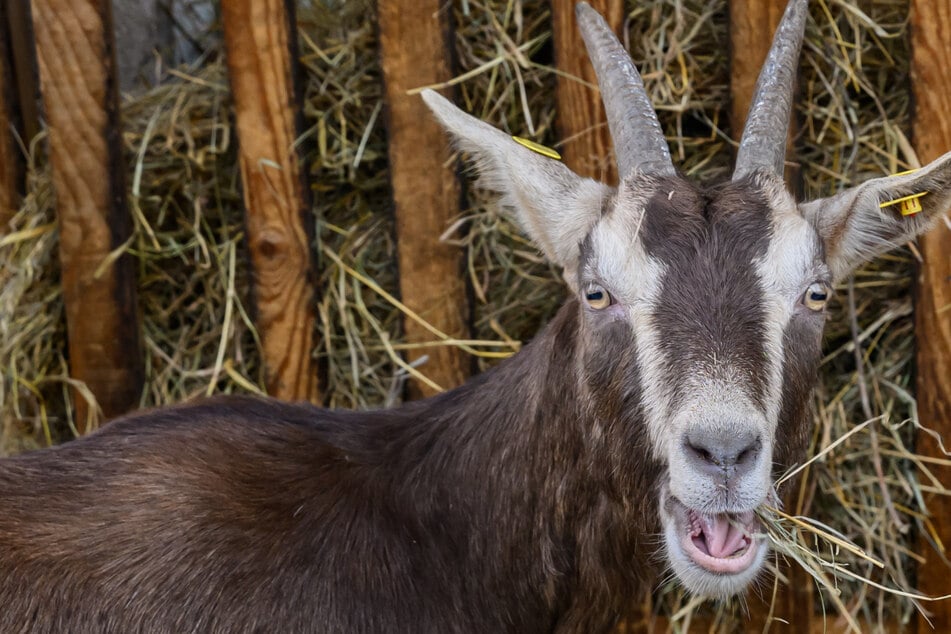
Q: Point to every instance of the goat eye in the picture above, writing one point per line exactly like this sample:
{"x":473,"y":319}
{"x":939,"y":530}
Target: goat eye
{"x":816,"y":296}
{"x":597,"y":297}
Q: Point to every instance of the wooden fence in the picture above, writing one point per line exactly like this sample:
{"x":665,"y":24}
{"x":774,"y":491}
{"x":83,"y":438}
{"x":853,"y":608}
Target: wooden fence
{"x":74,"y":57}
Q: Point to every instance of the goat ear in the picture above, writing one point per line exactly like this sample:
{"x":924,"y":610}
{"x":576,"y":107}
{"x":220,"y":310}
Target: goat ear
{"x":553,"y":205}
{"x":854,"y":227}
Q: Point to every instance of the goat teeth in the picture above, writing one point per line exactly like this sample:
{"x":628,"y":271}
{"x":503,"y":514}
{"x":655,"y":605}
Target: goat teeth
{"x":694,"y":527}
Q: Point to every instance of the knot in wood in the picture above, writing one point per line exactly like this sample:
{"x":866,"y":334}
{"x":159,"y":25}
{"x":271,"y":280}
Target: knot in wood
{"x":272,"y":244}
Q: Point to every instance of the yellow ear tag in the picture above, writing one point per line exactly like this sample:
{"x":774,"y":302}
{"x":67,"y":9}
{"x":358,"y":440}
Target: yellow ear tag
{"x":537,"y":147}
{"x":907,"y":205}
{"x":911,"y":206}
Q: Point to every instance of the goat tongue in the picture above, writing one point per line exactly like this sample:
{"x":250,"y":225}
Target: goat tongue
{"x":723,"y":535}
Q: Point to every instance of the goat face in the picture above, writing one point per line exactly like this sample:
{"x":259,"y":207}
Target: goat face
{"x":702,"y":307}
{"x":743,"y":282}
{"x":708,"y":306}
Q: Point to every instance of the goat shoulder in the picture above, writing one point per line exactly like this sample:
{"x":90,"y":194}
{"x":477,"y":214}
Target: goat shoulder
{"x":465,"y":512}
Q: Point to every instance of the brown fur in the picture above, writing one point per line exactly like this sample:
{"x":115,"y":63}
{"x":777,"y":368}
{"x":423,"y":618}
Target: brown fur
{"x":487,"y":509}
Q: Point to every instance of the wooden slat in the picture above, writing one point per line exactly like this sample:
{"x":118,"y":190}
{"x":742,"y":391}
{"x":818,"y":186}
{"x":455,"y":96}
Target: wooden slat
{"x":582,"y":125}
{"x":262,"y":64}
{"x":23,"y":62}
{"x":414,"y":43}
{"x":11,"y":164}
{"x":931,"y":127}
{"x":76,"y":62}
{"x":752,"y":24}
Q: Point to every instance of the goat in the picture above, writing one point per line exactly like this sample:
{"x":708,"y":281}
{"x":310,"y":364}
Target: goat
{"x":660,"y":403}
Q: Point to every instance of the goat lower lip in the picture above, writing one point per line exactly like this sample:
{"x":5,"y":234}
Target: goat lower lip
{"x":721,"y":543}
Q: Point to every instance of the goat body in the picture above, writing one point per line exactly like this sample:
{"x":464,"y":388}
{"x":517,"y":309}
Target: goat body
{"x":480,"y":510}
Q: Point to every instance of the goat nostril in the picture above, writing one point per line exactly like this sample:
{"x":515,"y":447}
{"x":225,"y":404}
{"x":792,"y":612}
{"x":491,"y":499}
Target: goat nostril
{"x":700,"y":452}
{"x":748,"y":454}
{"x":731,"y":453}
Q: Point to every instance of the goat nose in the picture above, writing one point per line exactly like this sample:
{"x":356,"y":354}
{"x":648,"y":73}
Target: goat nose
{"x":722,"y":455}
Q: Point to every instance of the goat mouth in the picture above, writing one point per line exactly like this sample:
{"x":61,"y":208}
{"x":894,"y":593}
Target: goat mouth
{"x":721,"y":543}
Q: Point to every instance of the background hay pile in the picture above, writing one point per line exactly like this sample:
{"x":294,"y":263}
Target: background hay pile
{"x":193,"y":263}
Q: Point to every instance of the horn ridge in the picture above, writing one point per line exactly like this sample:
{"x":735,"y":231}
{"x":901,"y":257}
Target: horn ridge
{"x":639,"y":141}
{"x":763,"y":143}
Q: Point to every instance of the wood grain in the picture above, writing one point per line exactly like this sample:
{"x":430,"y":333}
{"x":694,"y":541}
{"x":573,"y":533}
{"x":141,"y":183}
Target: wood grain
{"x":582,"y":125}
{"x":262,"y":65}
{"x":752,"y":24}
{"x":931,"y":129}
{"x":415,"y":51}
{"x":76,"y":68}
{"x":11,"y":164}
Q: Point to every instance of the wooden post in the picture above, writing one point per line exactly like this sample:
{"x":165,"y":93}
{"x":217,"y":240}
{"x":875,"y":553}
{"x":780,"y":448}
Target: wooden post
{"x":23,"y":66}
{"x":11,"y":163}
{"x":261,"y":45}
{"x":582,"y":124}
{"x":414,"y":43}
{"x":76,"y":66}
{"x":752,"y":24}
{"x":931,"y":129}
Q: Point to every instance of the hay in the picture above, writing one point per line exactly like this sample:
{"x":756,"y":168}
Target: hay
{"x":353,"y":208}
{"x":32,"y":330}
{"x":193,"y":286}
{"x":189,"y":246}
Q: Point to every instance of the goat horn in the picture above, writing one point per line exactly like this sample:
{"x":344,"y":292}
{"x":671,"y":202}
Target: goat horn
{"x":638,"y":138}
{"x":763,"y":144}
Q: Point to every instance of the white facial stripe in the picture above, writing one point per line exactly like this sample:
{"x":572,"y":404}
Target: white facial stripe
{"x":622,"y":264}
{"x":650,"y":358}
{"x":789,"y":261}
{"x":635,"y":278}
